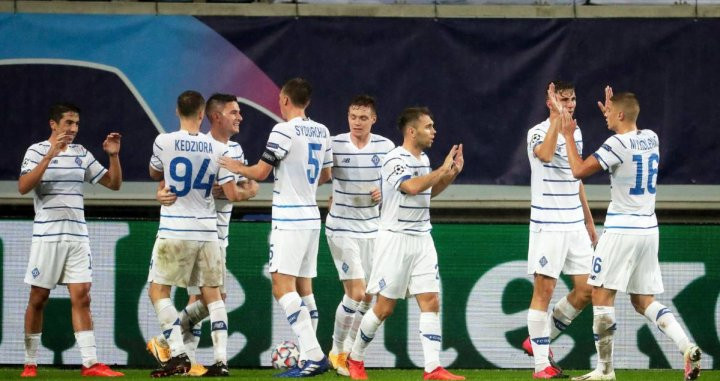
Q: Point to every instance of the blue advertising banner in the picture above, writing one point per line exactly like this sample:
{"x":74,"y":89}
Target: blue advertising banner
{"x":484,"y":79}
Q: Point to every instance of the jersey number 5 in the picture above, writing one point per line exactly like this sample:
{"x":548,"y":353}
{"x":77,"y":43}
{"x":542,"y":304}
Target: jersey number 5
{"x":314,"y":160}
{"x":652,"y":168}
{"x":186,"y":177}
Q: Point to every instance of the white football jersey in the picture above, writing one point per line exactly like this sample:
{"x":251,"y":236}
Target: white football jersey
{"x":58,"y":198}
{"x":299,"y":149}
{"x":401,"y":212}
{"x":190,"y":168}
{"x":555,"y":204}
{"x":632,"y":160}
{"x":355,"y":172}
{"x":222,"y":205}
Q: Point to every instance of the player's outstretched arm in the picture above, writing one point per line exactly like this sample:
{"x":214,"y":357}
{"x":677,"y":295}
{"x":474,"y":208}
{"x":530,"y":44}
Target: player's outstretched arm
{"x":30,"y":180}
{"x":420,"y":184}
{"x":325,"y":175}
{"x":257,"y":172}
{"x":580,"y":168}
{"x":112,"y":179}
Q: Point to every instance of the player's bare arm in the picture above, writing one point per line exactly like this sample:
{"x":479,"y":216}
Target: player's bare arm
{"x":545,"y":150}
{"x":164,"y":195}
{"x":155,"y":174}
{"x":257,"y":172}
{"x":325,"y":175}
{"x":112,"y":179}
{"x":580,"y":168}
{"x":458,"y":163}
{"x":422,"y":183}
{"x":30,"y":180}
{"x":589,"y":222}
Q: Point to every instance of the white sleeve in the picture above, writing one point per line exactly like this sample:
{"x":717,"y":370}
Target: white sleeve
{"x":610,"y":153}
{"x":223,"y":175}
{"x":155,"y":161}
{"x":32,"y":158}
{"x":328,"y":158}
{"x":535,"y":137}
{"x":395,"y":170}
{"x":94,"y":171}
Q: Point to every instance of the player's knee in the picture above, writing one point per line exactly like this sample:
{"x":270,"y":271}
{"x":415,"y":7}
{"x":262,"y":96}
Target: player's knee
{"x":81,"y":300}
{"x":383,"y":313}
{"x":357,"y":294}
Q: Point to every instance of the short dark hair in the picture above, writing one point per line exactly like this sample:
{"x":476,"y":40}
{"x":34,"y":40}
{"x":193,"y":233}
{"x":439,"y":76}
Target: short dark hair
{"x":628,"y":103}
{"x":412,"y":114}
{"x":560,"y":85}
{"x":218,"y":101}
{"x":189,"y":103}
{"x":299,"y":91}
{"x":58,"y":109}
{"x":364,"y":100}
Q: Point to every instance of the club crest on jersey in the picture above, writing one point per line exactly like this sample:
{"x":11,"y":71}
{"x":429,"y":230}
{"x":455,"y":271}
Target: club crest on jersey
{"x":543,"y":261}
{"x":78,"y":162}
{"x":375,"y":160}
{"x":35,"y":272}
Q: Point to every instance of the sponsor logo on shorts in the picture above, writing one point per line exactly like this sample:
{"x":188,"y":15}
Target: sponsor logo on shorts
{"x":543,"y":261}
{"x":375,"y":160}
{"x":35,"y":273}
{"x":382,"y":284}
{"x":345,"y":267}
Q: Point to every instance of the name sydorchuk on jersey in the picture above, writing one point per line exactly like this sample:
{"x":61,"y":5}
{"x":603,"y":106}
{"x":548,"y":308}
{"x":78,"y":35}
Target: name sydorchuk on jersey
{"x":643,"y":144}
{"x":311,"y":131}
{"x":192,"y":146}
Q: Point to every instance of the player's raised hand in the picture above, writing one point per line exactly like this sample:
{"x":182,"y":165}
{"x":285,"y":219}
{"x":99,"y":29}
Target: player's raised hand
{"x":608,"y":95}
{"x":165,"y":196}
{"x":376,"y":195}
{"x":217,"y":191}
{"x":568,"y":124}
{"x":459,"y":159}
{"x":231,"y":165}
{"x":553,"y":103}
{"x":449,"y":162}
{"x":59,"y":144}
{"x":111,"y":145}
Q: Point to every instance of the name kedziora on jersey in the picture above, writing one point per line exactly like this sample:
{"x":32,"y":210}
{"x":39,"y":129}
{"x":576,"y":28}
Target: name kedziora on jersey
{"x":310,"y":131}
{"x":643,"y":144}
{"x":193,"y":146}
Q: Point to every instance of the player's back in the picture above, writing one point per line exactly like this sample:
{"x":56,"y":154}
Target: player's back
{"x":190,"y":168}
{"x":304,"y":148}
{"x":632,"y":160}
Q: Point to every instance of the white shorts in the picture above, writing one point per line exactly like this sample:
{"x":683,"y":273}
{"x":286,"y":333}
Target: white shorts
{"x":183,"y":263}
{"x":58,"y":262}
{"x":403,"y":265}
{"x":353,"y":257}
{"x":551,"y":252}
{"x":294,"y":252}
{"x":195,"y":290}
{"x":627,"y":263}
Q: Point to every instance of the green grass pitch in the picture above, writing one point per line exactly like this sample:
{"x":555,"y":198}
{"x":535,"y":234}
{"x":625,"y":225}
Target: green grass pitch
{"x":51,"y":373}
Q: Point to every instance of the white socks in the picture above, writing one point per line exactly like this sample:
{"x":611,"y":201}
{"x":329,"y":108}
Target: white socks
{"x":603,"y":330}
{"x":563,"y":314}
{"x":300,"y":322}
{"x":219,"y":330}
{"x":368,"y":326}
{"x":88,"y":350}
{"x":352,"y":334}
{"x":170,"y":325}
{"x":539,"y":330}
{"x":191,"y":319}
{"x":309,"y":301}
{"x":32,"y":342}
{"x":661,"y":316}
{"x":431,"y":339}
{"x":344,"y":317}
